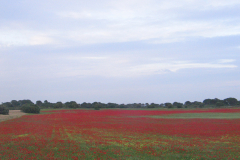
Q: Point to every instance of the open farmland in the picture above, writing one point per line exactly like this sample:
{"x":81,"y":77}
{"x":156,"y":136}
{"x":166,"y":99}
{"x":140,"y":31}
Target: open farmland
{"x":12,"y":114}
{"x":123,"y":134}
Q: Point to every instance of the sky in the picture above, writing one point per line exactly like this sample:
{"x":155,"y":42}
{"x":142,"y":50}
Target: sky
{"x":119,"y":51}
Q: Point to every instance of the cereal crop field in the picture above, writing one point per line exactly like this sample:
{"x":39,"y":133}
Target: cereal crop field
{"x":123,"y":134}
{"x":12,"y":114}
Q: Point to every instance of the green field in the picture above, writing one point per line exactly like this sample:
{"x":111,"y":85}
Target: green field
{"x":200,"y":115}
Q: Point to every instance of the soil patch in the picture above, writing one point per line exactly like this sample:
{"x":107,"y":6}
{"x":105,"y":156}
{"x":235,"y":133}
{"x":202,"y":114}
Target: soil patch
{"x":12,"y":114}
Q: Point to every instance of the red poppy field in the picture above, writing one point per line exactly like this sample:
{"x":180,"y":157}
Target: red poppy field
{"x":122,"y":134}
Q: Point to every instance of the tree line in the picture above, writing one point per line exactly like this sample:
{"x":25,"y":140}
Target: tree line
{"x":30,"y":107}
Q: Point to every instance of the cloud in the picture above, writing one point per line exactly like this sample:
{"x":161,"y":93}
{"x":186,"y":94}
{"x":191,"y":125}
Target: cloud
{"x":122,"y":67}
{"x":40,"y":40}
{"x":161,"y":42}
{"x":77,"y":58}
{"x":226,"y":60}
{"x":118,"y":21}
{"x":160,"y":68}
{"x":12,"y":37}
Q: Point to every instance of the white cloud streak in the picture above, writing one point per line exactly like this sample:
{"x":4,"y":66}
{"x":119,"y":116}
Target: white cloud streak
{"x":120,"y":67}
{"x":85,"y":66}
{"x":124,"y":21}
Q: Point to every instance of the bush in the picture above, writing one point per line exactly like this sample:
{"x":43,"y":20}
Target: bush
{"x":4,"y":110}
{"x":168,"y":105}
{"x":96,"y":108}
{"x":179,"y":106}
{"x":151,"y":106}
{"x":219,"y":104}
{"x":30,"y":108}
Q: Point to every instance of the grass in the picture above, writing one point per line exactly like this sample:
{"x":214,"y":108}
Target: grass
{"x":200,"y":115}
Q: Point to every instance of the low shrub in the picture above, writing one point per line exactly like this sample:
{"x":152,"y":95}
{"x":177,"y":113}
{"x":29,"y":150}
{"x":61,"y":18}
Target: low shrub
{"x":151,"y":106}
{"x":30,"y":108}
{"x":4,"y":110}
{"x":179,"y":106}
{"x":220,"y":104}
{"x":97,"y":107}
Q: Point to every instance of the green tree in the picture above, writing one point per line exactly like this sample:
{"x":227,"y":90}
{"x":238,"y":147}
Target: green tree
{"x":97,"y":106}
{"x":231,"y":101}
{"x":219,"y":104}
{"x":214,"y":101}
{"x":39,"y":103}
{"x":58,"y":105}
{"x":84,"y":105}
{"x":46,"y":101}
{"x":187,"y":103}
{"x":15,"y":103}
{"x":25,"y":101}
{"x":72,"y":104}
{"x":152,"y":105}
{"x":178,"y":104}
{"x":168,"y":105}
{"x":197,"y":104}
{"x":112,"y":105}
{"x":30,"y":108}
{"x":4,"y":110}
{"x":207,"y":101}
{"x":7,"y":104}
{"x":122,"y":106}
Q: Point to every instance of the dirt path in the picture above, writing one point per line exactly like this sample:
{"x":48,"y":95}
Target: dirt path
{"x":12,"y":114}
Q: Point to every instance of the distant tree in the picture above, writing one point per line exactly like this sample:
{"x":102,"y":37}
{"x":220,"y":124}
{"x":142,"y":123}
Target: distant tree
{"x":201,"y":105}
{"x":231,"y":101}
{"x":219,"y":104}
{"x":112,"y":105}
{"x":15,"y":103}
{"x":94,"y":104}
{"x":68,"y":105}
{"x":121,"y":106}
{"x":207,"y":101}
{"x":178,"y":104}
{"x":47,"y":104}
{"x":138,"y":105}
{"x":187,"y":103}
{"x":58,"y":105}
{"x":30,"y":108}
{"x":25,"y":101}
{"x":175,"y":103}
{"x":72,"y":104}
{"x":197,"y":104}
{"x":4,"y":110}
{"x":103,"y":105}
{"x":46,"y":101}
{"x":84,"y":105}
{"x":97,"y":106}
{"x":39,"y":103}
{"x":152,"y":105}
{"x":7,"y":104}
{"x":168,"y":105}
{"x":161,"y":105}
{"x":214,"y":101}
{"x":89,"y":105}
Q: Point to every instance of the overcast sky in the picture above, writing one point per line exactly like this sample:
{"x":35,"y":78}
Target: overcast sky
{"x":121,"y":51}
